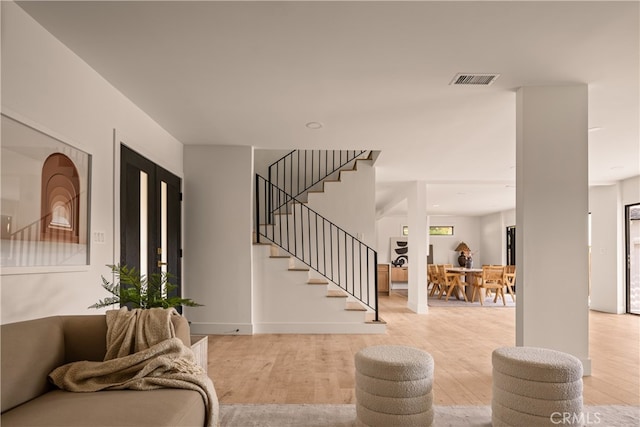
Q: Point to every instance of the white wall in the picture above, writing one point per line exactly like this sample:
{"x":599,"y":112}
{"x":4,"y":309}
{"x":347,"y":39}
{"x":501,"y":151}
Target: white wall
{"x":350,"y":203}
{"x":493,"y":235}
{"x":467,"y":229}
{"x":608,"y":251}
{"x":630,"y":190}
{"x":492,"y":239}
{"x":607,"y":228}
{"x":262,"y":159}
{"x":218,"y":224}
{"x":49,"y":87}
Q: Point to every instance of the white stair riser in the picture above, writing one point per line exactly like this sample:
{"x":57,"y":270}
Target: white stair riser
{"x":284,"y":301}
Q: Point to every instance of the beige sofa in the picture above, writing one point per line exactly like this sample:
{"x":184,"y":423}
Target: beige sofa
{"x":32,"y":349}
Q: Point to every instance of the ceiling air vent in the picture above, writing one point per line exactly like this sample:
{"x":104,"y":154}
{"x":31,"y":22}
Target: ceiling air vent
{"x":474,"y":79}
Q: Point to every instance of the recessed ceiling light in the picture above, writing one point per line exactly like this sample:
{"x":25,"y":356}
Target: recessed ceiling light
{"x":314,"y":125}
{"x":595,"y":128}
{"x":616,"y":168}
{"x":436,"y":206}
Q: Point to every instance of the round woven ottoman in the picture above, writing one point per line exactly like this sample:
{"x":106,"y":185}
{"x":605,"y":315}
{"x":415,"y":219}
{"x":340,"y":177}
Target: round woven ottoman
{"x":535,"y":387}
{"x":394,"y":386}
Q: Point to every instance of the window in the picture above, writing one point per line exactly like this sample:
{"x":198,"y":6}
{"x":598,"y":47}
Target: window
{"x":441,"y":230}
{"x":435,"y":230}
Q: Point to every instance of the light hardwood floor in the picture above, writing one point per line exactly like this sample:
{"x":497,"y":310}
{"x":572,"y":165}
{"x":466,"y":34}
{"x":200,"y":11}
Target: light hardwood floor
{"x":320,"y":369}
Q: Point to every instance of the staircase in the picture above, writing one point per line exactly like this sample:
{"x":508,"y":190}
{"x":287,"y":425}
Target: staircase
{"x":311,"y":275}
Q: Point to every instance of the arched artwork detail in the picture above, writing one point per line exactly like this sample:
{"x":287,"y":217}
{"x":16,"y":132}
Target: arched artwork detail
{"x":60,"y":207}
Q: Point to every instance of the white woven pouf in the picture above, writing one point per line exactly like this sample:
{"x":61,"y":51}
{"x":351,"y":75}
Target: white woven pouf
{"x":535,"y":387}
{"x":394,"y":386}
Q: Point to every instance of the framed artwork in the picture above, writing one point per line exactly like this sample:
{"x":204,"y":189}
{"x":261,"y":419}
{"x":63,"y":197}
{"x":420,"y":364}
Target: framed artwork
{"x":45,"y":196}
{"x":399,"y":253}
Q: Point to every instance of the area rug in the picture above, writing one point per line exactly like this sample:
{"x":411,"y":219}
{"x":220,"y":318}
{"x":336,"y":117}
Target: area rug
{"x":303,"y":415}
{"x":454,"y":302}
{"x":433,"y":301}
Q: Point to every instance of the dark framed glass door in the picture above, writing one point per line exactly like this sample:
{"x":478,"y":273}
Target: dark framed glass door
{"x":150,"y":217}
{"x":511,"y":245}
{"x":632,"y":226}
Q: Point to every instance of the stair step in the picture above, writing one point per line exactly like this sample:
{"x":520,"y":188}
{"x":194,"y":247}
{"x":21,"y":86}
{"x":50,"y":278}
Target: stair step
{"x":318,"y":282}
{"x":373,"y":322}
{"x":298,"y":269}
{"x":354,"y":306}
{"x":279,"y":256}
{"x":336,"y":294}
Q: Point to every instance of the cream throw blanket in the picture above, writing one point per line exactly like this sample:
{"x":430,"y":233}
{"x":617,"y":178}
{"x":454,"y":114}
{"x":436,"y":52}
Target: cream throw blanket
{"x":143,"y":353}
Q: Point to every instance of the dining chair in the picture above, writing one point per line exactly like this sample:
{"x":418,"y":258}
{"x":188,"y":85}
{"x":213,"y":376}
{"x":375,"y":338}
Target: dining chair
{"x":510,"y":280}
{"x":451,"y":282}
{"x":491,"y":279}
{"x":441,"y":270}
{"x":433,"y":279}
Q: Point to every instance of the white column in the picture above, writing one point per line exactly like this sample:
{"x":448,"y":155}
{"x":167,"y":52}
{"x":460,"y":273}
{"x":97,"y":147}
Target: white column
{"x":552,"y":220}
{"x":417,"y":201}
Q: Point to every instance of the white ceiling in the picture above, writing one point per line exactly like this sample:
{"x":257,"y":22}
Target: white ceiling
{"x":375,"y":74}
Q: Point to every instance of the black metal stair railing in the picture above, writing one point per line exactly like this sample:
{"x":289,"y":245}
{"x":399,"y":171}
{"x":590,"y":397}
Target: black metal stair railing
{"x":317,"y":242}
{"x":300,"y":170}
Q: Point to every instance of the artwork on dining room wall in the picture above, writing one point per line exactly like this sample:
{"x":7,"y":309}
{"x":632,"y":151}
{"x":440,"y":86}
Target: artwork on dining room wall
{"x":45,"y":199}
{"x":399,"y":253}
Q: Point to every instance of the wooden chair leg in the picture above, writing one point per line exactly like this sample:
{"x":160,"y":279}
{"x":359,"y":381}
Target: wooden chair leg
{"x":464,"y":294}
{"x":449,"y":292}
{"x":442,"y":292}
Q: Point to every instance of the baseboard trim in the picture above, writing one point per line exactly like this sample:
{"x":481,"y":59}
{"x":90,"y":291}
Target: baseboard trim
{"x":201,"y":328}
{"x":319,"y":328}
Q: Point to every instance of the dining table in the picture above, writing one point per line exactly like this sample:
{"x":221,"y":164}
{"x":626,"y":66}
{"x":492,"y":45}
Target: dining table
{"x":469,"y":276}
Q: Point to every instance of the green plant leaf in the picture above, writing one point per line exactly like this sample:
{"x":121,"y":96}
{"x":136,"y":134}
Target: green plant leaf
{"x":132,"y":289}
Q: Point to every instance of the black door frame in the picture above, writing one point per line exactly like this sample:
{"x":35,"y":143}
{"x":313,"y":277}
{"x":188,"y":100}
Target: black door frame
{"x":627,"y":239}
{"x":511,"y":245}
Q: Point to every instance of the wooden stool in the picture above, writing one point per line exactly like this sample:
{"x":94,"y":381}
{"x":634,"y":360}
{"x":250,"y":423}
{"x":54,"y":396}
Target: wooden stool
{"x":394,"y":386}
{"x":535,"y":387}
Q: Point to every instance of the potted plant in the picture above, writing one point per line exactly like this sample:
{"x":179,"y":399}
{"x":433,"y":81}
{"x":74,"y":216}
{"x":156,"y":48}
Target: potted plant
{"x":134,"y":290}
